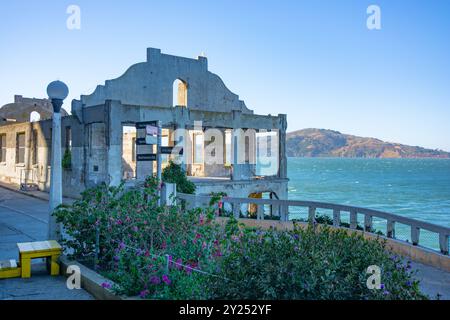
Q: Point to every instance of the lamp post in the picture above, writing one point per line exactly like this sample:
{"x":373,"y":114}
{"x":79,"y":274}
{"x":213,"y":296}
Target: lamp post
{"x":57,"y":91}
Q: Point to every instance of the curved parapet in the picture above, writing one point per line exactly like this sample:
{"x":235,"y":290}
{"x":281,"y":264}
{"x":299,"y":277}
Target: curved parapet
{"x":22,"y":108}
{"x":151,"y":84}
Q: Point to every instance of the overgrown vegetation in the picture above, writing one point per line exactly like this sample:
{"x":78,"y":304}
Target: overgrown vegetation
{"x":174,"y":173}
{"x":66,"y":162}
{"x":169,"y":253}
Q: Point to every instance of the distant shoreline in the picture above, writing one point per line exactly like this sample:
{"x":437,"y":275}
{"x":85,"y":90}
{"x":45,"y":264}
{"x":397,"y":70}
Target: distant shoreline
{"x":368,"y":158}
{"x":317,"y":143}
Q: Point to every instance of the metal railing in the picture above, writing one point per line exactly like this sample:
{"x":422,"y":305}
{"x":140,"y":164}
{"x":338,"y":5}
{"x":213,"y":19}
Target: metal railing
{"x":281,"y":209}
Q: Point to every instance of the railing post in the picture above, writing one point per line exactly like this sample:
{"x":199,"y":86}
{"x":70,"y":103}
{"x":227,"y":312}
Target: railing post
{"x":260,"y":212}
{"x":311,"y":214}
{"x":274,"y":209}
{"x":284,"y":212}
{"x":353,"y":219}
{"x":443,"y":243}
{"x":236,"y":209}
{"x":390,"y":229}
{"x":336,"y":217}
{"x":415,"y":231}
{"x":368,"y":223}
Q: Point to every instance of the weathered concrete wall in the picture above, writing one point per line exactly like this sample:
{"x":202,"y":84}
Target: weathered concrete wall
{"x":101,"y":153}
{"x":21,"y":109}
{"x":39,"y":172}
{"x":151,"y":84}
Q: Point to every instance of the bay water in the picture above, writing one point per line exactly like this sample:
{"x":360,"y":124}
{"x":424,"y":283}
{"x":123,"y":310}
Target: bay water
{"x":415,"y":188}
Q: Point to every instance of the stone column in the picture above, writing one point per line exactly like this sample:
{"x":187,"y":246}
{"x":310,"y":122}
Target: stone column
{"x":236,"y":145}
{"x":114,"y":136}
{"x":181,"y":134}
{"x":282,"y":159}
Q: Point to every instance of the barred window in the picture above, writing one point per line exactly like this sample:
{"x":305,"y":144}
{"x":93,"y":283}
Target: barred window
{"x":20,"y":147}
{"x":3,"y":147}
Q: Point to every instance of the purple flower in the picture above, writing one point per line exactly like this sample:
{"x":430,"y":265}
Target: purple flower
{"x":382,"y":286}
{"x":155,"y":280}
{"x":135,"y":229}
{"x":188,"y":269}
{"x":166,"y":280}
{"x":116,"y":258}
{"x":178,"y":264}
{"x":106,"y":285}
{"x":121,"y":246}
{"x":143,"y":294}
{"x":385,"y":292}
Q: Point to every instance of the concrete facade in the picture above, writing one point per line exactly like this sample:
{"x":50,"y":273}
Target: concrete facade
{"x":22,"y":108}
{"x":103,"y":151}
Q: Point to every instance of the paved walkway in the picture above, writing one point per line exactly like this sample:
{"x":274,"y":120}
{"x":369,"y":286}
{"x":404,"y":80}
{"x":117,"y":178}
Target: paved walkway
{"x":23,"y":219}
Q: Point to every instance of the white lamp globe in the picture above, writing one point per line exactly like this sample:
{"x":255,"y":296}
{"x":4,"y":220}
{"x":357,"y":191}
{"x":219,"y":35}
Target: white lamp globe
{"x":57,"y":90}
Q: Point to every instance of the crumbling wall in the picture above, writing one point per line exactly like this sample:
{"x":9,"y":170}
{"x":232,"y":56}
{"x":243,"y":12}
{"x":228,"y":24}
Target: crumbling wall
{"x":151,"y":84}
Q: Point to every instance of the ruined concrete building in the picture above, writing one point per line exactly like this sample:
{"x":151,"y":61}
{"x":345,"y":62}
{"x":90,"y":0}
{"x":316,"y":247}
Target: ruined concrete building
{"x":100,"y":132}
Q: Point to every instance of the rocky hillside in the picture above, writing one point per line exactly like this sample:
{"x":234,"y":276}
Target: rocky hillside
{"x":329,"y":143}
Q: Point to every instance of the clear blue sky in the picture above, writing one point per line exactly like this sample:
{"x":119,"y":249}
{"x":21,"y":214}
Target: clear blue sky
{"x":314,"y":60}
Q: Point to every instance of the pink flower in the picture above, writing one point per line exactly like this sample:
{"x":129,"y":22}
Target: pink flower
{"x":178,"y":264}
{"x":106,"y":285}
{"x":166,"y":280}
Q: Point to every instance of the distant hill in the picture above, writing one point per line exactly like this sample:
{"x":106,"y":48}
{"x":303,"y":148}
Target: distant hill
{"x":329,"y":143}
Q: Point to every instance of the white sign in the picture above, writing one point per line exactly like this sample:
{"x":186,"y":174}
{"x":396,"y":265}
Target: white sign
{"x":151,"y":130}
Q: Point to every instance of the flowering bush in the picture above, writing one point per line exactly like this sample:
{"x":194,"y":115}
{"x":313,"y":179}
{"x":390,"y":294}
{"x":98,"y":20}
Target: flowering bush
{"x":171,"y":253}
{"x":309,"y":264}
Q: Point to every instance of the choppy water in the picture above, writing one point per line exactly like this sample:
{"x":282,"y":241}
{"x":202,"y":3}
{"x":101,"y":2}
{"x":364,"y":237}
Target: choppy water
{"x":416,"y":188}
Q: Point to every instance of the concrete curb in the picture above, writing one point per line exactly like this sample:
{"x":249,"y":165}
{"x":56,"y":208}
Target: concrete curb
{"x":91,"y":281}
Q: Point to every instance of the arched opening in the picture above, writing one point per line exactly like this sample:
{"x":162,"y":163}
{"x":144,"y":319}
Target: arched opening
{"x":35,"y":116}
{"x":180,"y":92}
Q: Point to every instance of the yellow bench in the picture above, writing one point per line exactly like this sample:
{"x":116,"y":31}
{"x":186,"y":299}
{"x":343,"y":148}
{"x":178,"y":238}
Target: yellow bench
{"x":43,"y":249}
{"x":9,"y":269}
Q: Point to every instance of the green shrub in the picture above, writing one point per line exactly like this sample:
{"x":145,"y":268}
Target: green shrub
{"x":173,"y":173}
{"x":150,"y":251}
{"x":67,"y":160}
{"x":308,"y":264}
